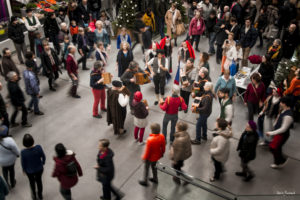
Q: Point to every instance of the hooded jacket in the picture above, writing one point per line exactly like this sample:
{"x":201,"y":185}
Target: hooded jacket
{"x":182,"y":149}
{"x":247,"y":145}
{"x":220,"y":145}
{"x":60,"y":170}
{"x":106,"y":169}
{"x":15,"y":33}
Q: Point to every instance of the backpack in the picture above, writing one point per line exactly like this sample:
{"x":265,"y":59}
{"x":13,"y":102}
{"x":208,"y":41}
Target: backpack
{"x":71,"y":169}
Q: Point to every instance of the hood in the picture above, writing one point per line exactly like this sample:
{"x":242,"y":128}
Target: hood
{"x":66,"y":159}
{"x":181,"y":134}
{"x":227,"y":133}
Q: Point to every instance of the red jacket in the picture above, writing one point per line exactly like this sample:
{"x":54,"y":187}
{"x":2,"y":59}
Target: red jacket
{"x":71,"y":65}
{"x":60,"y":171}
{"x":155,"y":147}
{"x":172,"y":104}
{"x":194,"y":29}
{"x":254,"y":97}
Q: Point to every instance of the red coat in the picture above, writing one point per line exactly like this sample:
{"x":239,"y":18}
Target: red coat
{"x":155,"y":147}
{"x":60,"y":171}
{"x":194,"y":30}
{"x":71,"y":65}
{"x":172,"y":104}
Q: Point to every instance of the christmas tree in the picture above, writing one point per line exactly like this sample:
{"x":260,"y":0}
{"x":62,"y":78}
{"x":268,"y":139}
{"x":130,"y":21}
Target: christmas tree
{"x":182,"y":9}
{"x":126,"y":14}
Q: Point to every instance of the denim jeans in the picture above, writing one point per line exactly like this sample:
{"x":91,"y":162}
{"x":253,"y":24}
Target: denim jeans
{"x":91,"y":50}
{"x":167,"y":119}
{"x":35,"y":103}
{"x":201,"y":124}
{"x":211,"y":42}
{"x":161,"y":26}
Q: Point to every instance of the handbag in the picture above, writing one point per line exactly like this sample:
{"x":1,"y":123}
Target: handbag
{"x":180,"y":29}
{"x":260,"y":104}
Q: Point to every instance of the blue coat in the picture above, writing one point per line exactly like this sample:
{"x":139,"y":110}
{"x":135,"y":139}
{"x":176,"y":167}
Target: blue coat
{"x":248,"y":39}
{"x":230,"y":85}
{"x":119,"y":41}
{"x":31,"y":83}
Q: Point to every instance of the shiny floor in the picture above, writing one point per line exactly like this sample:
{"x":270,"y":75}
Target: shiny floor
{"x":70,"y":121}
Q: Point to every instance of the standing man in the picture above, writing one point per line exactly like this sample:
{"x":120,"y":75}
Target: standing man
{"x":117,"y":100}
{"x":32,"y":24}
{"x":290,"y":41}
{"x":32,"y":89}
{"x":17,"y":99}
{"x":161,"y":9}
{"x":106,"y":170}
{"x":248,"y":39}
{"x":171,"y":106}
{"x":8,"y":64}
{"x":72,"y":68}
{"x":159,"y":68}
{"x":155,"y":149}
{"x":15,"y":33}
{"x":281,"y":133}
{"x":85,"y":13}
{"x":95,"y":7}
{"x":51,"y":30}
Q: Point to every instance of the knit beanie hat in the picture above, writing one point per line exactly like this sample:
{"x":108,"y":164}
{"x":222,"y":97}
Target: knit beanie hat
{"x":138,"y":96}
{"x":3,"y":131}
{"x":252,"y":124}
{"x":117,"y":83}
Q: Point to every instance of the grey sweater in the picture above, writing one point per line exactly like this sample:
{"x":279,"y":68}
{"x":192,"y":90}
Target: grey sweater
{"x":9,"y":152}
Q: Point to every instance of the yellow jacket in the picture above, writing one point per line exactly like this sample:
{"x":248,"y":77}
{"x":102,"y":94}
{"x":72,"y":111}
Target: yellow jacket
{"x":149,"y":21}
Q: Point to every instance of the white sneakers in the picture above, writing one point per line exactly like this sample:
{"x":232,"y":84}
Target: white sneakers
{"x":274,"y":166}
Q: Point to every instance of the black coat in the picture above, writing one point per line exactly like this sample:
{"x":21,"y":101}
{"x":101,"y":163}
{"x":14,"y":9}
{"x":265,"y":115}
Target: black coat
{"x":221,"y":35}
{"x":51,"y":27}
{"x":123,"y":61}
{"x":266,"y":71}
{"x":106,"y":170}
{"x":289,"y":43}
{"x":210,"y":24}
{"x":248,"y":39}
{"x":147,"y":39}
{"x":95,"y":5}
{"x":15,"y":33}
{"x":236,"y":31}
{"x":84,"y":12}
{"x":16,"y":95}
{"x":3,"y":111}
{"x":46,"y":63}
{"x":80,"y":43}
{"x":237,"y":12}
{"x":247,"y":146}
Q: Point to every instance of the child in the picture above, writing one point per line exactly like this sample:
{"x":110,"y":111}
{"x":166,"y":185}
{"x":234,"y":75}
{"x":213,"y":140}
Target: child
{"x":38,"y":44}
{"x":140,"y":111}
{"x":63,"y":31}
{"x":74,"y":31}
{"x":123,"y":37}
{"x":91,"y":37}
{"x":219,"y":147}
{"x":101,"y":53}
{"x":65,"y":50}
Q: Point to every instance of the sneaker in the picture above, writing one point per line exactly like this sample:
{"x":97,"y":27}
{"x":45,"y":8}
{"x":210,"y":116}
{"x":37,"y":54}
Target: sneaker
{"x":195,"y":142}
{"x":204,"y":138}
{"x":283,"y":164}
{"x":274,"y":166}
{"x":240,"y":174}
{"x":263,"y":144}
{"x":176,"y":180}
{"x":85,"y":68}
{"x":14,"y":125}
{"x":39,"y":113}
{"x":29,"y":110}
{"x":104,"y":110}
{"x":153,"y":180}
{"x":156,"y":103}
{"x":27,"y":125}
{"x":76,"y":96}
{"x":141,"y":143}
{"x":136,"y":140}
{"x":97,"y":116}
{"x":143,"y":183}
{"x":248,"y":178}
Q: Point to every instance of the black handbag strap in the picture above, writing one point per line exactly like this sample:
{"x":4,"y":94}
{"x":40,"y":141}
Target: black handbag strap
{"x":9,"y":149}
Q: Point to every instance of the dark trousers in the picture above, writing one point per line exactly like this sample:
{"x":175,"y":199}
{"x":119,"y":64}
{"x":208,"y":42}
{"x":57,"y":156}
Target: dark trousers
{"x":36,"y":180}
{"x":161,"y":26}
{"x":201,"y":127}
{"x":186,"y":96}
{"x":82,"y":59}
{"x":54,"y":39}
{"x":195,"y":38}
{"x":15,"y":113}
{"x":218,"y":168}
{"x":137,"y":40}
{"x":52,"y":77}
{"x":166,"y":120}
{"x":219,"y":54}
{"x":73,"y":89}
{"x":212,"y":39}
{"x":11,"y":171}
{"x":35,"y":103}
{"x":245,"y":169}
{"x":178,"y":165}
{"x":159,"y":84}
{"x":252,"y":109}
{"x":277,"y":152}
{"x":66,"y":193}
{"x":154,"y":170}
{"x":31,"y":38}
{"x":108,"y":188}
{"x":261,"y":40}
{"x":5,"y":120}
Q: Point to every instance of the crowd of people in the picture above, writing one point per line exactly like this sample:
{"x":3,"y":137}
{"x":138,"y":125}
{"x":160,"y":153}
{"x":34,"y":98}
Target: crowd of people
{"x":232,"y":28}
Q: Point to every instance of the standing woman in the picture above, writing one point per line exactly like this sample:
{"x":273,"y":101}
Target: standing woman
{"x":9,"y":152}
{"x":255,"y":95}
{"x":124,"y":58}
{"x":185,"y":52}
{"x":203,"y":61}
{"x":33,"y":161}
{"x":172,"y":17}
{"x":51,"y":30}
{"x":266,"y":70}
{"x":102,"y":35}
{"x":123,"y":37}
{"x":196,"y":29}
{"x":190,"y":72}
{"x":229,"y":52}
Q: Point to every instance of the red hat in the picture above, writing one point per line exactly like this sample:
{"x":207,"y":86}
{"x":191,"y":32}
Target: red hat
{"x":191,"y":50}
{"x":163,"y":43}
{"x":138,"y":96}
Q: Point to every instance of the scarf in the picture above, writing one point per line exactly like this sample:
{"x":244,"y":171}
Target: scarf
{"x":274,"y":50}
{"x":49,"y":53}
{"x":124,"y":38}
{"x":103,"y":59}
{"x":174,"y":17}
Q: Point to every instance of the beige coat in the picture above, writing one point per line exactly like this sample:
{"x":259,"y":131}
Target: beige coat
{"x":181,"y":148}
{"x":169,"y":22}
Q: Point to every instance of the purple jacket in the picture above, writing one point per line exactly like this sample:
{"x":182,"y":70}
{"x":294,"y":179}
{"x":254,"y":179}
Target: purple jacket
{"x":194,"y":29}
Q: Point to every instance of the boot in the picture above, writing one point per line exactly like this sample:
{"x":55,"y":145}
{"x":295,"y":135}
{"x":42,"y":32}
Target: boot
{"x":157,"y":99}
